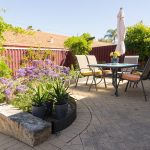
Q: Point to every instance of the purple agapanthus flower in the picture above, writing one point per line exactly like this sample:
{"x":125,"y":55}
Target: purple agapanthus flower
{"x":21,"y":88}
{"x":66,"y":70}
{"x":55,"y":75}
{"x":50,"y":73}
{"x":10,"y":84}
{"x":4,"y":81}
{"x":37,"y":63}
{"x":48,"y":62}
{"x":21,"y":72}
{"x":7,"y":92}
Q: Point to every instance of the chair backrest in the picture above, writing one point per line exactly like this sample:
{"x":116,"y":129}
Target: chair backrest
{"x":92,"y":60}
{"x":130,"y":60}
{"x":82,"y":62}
{"x":146,"y":70}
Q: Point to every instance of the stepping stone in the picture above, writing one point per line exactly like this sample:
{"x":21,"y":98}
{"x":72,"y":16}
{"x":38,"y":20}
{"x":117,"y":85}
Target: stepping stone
{"x":23,"y":126}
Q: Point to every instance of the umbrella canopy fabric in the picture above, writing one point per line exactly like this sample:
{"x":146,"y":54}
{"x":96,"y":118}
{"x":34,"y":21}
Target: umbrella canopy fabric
{"x":120,"y":32}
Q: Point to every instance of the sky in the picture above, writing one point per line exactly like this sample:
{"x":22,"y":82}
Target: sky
{"x":74,"y":17}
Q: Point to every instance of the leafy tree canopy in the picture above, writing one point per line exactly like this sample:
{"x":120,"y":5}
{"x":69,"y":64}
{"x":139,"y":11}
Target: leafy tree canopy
{"x":138,"y":38}
{"x":79,"y":45}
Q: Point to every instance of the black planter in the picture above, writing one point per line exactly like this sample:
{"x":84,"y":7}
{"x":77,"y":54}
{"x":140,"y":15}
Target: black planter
{"x":49,"y":108}
{"x":61,"y":111}
{"x":39,"y":111}
{"x":58,"y":125}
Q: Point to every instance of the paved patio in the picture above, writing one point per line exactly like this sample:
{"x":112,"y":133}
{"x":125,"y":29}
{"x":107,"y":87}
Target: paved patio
{"x":104,"y":122}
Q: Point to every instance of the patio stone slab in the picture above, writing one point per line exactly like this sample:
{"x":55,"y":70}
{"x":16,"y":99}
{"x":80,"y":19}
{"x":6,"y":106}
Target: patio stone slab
{"x":23,"y":126}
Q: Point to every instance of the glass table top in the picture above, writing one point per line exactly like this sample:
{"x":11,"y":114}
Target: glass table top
{"x":114,"y":65}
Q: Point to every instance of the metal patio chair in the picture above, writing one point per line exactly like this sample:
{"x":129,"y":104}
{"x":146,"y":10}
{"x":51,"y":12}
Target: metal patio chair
{"x":86,"y":71}
{"x":133,"y":78}
{"x":130,"y":60}
{"x":98,"y":72}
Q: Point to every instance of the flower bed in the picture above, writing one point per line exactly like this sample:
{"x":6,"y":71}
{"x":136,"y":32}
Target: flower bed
{"x":37,"y":87}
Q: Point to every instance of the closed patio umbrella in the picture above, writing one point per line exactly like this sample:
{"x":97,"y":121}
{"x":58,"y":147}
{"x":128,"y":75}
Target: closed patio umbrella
{"x":120,"y":32}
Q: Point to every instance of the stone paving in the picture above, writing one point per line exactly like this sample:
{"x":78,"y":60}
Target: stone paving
{"x":104,"y":122}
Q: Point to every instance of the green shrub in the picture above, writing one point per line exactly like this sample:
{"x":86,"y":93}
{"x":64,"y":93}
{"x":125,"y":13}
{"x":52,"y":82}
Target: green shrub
{"x":23,"y":101}
{"x":79,"y":45}
{"x":5,"y":71}
{"x":2,"y":97}
{"x":138,"y":39}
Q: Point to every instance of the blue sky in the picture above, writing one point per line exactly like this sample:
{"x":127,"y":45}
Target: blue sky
{"x":74,"y":17}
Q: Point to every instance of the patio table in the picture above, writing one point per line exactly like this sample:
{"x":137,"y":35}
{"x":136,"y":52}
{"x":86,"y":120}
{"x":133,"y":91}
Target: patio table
{"x":114,"y":67}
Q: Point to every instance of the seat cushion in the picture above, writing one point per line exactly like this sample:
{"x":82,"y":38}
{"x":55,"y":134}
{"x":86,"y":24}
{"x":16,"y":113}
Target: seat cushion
{"x":106,"y":72}
{"x":130,"y":77}
{"x":90,"y":73}
{"x":137,"y":73}
{"x":87,"y":73}
{"x":97,"y":73}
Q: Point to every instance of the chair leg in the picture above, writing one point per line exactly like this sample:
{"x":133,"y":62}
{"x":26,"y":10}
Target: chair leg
{"x":77,"y":81}
{"x":131,"y":84}
{"x":87,"y":80}
{"x":144,"y":90}
{"x":126,"y":86}
{"x":95,"y":83}
{"x":119,"y":82}
{"x":91,"y":84}
{"x":105,"y":82}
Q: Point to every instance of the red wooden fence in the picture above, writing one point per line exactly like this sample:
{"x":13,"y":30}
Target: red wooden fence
{"x":15,"y":56}
{"x":103,"y":53}
{"x":59,"y":56}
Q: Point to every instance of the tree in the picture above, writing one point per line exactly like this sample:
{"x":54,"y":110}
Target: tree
{"x":104,"y":40}
{"x":138,"y":38}
{"x":111,"y":34}
{"x":29,"y":28}
{"x":79,"y":45}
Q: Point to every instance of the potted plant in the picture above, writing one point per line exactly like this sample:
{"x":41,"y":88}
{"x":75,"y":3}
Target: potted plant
{"x":115,"y":56}
{"x":39,"y":97}
{"x":60,"y":97}
{"x":48,"y":100}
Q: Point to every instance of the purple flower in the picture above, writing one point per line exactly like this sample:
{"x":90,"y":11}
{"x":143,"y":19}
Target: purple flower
{"x":50,"y":73}
{"x":21,"y":72}
{"x":55,"y":75}
{"x":36,"y":63}
{"x":21,"y":88}
{"x":48,"y":62}
{"x":7,"y":92}
{"x":10,"y":85}
{"x":3,"y":81}
{"x":66,"y":70}
{"x":29,"y":71}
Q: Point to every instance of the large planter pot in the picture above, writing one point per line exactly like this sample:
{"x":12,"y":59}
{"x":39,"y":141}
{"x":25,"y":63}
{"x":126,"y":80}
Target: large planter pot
{"x":58,"y":125}
{"x":49,"y":108}
{"x":39,"y":111}
{"x":61,"y":111}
